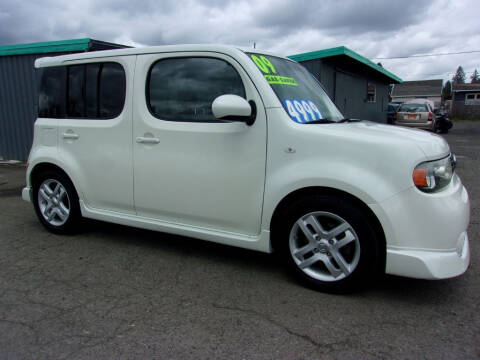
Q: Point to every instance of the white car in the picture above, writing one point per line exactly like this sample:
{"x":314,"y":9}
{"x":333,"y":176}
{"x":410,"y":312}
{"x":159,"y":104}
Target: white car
{"x":244,"y":149}
{"x":417,"y":113}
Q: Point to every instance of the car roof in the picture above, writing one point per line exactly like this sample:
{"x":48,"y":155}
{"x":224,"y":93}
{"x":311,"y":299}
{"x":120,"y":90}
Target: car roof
{"x":419,"y":101}
{"x":224,"y":49}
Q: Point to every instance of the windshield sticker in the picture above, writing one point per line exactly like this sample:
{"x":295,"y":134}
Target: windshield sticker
{"x":302,"y":111}
{"x":282,"y":80}
{"x":264,"y":64}
{"x":270,"y":72}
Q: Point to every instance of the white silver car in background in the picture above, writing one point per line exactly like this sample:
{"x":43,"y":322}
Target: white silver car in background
{"x":417,"y":113}
{"x":243,"y":149}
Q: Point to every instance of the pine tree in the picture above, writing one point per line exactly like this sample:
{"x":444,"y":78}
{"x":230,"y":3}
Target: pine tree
{"x":447,"y":91}
{"x":475,"y":78}
{"x":459,"y":77}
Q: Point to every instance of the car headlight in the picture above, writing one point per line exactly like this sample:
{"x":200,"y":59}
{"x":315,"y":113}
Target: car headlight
{"x":431,"y":176}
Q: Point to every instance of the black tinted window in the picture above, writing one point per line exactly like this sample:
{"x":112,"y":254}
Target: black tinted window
{"x":111,"y":90}
{"x":92,"y":91}
{"x":183,"y":89}
{"x":51,"y":99}
{"x":76,"y":91}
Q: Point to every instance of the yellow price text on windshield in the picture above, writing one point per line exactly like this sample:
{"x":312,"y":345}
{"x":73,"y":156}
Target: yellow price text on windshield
{"x":264,"y":64}
{"x":282,"y":80}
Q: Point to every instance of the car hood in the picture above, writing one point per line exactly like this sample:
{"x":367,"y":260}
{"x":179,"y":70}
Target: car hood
{"x":432,"y":145}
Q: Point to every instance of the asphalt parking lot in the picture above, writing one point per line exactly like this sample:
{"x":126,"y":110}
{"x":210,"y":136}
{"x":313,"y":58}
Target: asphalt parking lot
{"x":121,"y":293}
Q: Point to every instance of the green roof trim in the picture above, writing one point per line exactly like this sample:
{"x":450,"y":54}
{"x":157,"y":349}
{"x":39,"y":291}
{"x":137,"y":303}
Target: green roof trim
{"x":342,"y":50}
{"x":46,"y":47}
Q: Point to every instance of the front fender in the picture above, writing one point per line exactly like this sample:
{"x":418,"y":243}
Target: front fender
{"x":362,"y":183}
{"x":366,"y":160}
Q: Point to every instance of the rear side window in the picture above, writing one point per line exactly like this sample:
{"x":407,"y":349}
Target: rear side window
{"x":183,"y":89}
{"x":51,"y":99}
{"x":87,"y":91}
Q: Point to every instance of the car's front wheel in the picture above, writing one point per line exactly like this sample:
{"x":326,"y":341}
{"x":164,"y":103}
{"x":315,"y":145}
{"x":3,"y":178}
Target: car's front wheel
{"x":330,"y":243}
{"x":56,"y":202}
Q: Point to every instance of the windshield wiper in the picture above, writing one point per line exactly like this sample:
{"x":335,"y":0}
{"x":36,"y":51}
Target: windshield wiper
{"x":349,"y":120}
{"x":329,"y":121}
{"x":321,"y":121}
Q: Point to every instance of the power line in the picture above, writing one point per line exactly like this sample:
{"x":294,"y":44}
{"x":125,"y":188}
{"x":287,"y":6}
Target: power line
{"x":448,"y":73}
{"x":427,"y":55}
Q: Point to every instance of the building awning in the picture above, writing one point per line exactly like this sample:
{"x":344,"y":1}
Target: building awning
{"x":61,"y":46}
{"x":344,"y":51}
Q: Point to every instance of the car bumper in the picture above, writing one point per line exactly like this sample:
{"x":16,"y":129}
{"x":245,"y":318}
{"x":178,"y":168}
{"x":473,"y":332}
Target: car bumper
{"x":419,"y":125}
{"x":430,"y":264}
{"x":426,"y":233}
{"x":26,"y":193}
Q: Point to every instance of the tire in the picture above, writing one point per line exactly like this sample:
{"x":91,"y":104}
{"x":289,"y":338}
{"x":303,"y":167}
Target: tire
{"x":330,"y":244}
{"x":56,"y":202}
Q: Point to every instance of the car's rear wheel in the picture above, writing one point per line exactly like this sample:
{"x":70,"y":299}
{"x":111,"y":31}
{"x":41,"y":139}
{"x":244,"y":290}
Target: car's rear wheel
{"x":56,"y":202}
{"x":330,"y":243}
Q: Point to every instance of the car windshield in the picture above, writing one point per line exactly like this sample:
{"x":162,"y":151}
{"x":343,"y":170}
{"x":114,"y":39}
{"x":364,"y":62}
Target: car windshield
{"x":413,"y":108}
{"x":300,"y":93}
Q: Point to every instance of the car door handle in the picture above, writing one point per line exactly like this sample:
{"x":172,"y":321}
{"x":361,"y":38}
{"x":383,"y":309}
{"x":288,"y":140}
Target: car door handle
{"x":69,"y":135}
{"x":147,"y":140}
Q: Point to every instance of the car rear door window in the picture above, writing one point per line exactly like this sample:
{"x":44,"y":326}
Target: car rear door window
{"x":91,"y":93}
{"x":111,"y":90}
{"x":183,"y":89}
{"x":76,"y":91}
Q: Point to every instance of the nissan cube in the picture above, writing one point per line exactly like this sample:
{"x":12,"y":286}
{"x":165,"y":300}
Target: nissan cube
{"x":245,"y":149}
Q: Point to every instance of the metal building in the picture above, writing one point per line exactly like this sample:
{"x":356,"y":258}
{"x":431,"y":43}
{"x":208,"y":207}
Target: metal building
{"x":358,"y":86}
{"x":18,"y":89}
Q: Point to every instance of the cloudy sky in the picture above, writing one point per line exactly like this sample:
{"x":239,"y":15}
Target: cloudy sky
{"x":373,"y":28}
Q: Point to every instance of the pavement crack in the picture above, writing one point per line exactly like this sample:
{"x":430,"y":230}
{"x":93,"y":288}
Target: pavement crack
{"x":304,"y":337}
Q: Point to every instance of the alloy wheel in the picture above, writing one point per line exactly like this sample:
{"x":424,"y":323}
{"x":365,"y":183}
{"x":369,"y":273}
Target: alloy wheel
{"x":53,"y":202}
{"x":324,"y":246}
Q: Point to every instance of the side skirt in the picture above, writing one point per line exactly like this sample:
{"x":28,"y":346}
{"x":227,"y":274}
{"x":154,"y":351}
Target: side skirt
{"x":258,"y":243}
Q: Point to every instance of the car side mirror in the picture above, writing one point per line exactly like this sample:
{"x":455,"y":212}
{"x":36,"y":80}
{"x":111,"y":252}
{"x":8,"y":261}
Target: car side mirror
{"x":234,"y":108}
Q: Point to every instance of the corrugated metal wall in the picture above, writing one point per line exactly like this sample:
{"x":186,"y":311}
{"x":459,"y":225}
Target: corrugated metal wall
{"x":18,"y":97}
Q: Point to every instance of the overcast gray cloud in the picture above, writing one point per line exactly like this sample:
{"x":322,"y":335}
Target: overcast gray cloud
{"x":373,"y":28}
